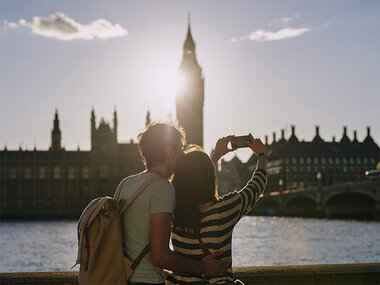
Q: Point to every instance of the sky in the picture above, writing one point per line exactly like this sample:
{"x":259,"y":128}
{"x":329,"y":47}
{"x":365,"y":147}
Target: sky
{"x":267,"y":65}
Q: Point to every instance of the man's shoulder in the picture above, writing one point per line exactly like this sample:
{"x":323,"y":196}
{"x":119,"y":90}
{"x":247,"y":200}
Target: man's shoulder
{"x":162,"y":185}
{"x":136,"y":180}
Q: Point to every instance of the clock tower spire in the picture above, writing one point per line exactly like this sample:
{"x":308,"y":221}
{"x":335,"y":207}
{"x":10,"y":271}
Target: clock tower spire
{"x":190,"y":97}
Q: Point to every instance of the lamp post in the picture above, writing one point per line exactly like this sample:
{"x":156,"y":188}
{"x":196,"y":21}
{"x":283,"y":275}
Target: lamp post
{"x":281,"y":184}
{"x":319,"y":194}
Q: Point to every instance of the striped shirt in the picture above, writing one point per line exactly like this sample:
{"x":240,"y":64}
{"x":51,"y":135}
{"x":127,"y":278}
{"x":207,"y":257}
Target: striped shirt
{"x":217,"y":224}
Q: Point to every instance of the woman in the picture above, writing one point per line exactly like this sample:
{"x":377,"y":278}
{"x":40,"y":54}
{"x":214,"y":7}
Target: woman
{"x":203,"y":223}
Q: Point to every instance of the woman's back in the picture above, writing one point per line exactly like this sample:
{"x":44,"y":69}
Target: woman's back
{"x":217,"y":224}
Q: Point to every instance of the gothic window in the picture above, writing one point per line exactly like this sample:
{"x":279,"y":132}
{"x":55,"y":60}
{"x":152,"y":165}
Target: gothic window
{"x":42,"y":172}
{"x":71,"y":172}
{"x":302,"y":160}
{"x":85,"y":172}
{"x":27,"y":172}
{"x":12,"y":172}
{"x":358,"y":160}
{"x":56,"y":172}
{"x":351,"y":160}
{"x":294,"y":160}
{"x":103,"y":171}
{"x":315,"y":160}
{"x":344,"y":160}
{"x":337,"y":160}
{"x":323,"y":160}
{"x":308,"y":160}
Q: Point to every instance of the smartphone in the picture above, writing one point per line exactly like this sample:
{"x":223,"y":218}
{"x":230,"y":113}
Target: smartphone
{"x":239,"y":142}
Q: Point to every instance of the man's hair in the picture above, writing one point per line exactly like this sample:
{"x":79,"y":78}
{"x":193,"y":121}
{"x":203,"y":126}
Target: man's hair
{"x":155,"y":139}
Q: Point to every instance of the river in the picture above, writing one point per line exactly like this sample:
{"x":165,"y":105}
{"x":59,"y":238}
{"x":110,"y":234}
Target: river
{"x":52,"y":245}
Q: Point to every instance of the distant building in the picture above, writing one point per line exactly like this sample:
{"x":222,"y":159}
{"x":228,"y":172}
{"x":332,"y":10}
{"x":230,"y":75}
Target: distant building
{"x":60,"y":183}
{"x":300,"y":164}
{"x":190,"y":98}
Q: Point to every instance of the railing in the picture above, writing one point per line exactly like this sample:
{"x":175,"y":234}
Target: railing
{"x":334,"y":274}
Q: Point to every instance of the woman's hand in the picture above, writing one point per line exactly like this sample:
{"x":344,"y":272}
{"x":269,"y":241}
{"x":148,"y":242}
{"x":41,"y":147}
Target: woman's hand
{"x":256,"y":145}
{"x":221,"y":148}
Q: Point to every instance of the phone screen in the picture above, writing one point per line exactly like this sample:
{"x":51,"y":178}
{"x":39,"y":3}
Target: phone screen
{"x":239,"y":142}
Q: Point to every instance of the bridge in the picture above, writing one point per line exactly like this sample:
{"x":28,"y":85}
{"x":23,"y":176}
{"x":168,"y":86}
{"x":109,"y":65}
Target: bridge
{"x":360,"y":200}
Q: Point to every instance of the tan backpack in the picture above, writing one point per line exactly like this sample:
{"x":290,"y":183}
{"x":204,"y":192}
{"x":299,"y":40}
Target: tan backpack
{"x":100,"y":242}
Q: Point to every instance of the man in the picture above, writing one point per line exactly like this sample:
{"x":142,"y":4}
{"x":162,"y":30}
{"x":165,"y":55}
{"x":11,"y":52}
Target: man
{"x":150,"y":215}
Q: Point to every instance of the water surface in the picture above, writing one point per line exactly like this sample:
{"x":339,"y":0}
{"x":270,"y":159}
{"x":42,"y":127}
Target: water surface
{"x":52,"y":245}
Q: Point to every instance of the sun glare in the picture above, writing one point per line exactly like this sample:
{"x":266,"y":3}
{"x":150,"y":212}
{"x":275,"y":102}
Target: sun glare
{"x":165,"y":82}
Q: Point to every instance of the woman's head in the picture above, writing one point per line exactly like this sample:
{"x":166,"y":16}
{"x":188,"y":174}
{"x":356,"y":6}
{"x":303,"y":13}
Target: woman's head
{"x":194,"y":183}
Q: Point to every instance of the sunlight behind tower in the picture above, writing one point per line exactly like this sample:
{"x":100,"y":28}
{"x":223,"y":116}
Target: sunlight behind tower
{"x":164,"y":83}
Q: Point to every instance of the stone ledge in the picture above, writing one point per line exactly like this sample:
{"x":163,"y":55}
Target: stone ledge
{"x":337,"y":274}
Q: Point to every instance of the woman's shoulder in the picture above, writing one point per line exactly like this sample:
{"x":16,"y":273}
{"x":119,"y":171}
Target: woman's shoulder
{"x":224,"y":202}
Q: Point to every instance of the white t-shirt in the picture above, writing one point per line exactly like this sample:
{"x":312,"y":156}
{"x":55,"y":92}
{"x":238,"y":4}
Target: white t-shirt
{"x":156,"y":198}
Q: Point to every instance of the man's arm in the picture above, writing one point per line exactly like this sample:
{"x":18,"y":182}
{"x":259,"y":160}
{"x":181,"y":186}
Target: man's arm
{"x":162,"y":256}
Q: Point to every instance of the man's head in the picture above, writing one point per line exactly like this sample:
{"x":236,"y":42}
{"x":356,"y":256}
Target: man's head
{"x":161,"y":144}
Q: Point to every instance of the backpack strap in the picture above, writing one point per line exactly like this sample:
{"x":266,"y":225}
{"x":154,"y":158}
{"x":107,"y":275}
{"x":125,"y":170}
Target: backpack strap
{"x":138,"y":191}
{"x":138,"y":259}
{"x":118,"y":189}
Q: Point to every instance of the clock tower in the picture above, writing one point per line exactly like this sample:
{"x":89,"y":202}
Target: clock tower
{"x":190,"y":97}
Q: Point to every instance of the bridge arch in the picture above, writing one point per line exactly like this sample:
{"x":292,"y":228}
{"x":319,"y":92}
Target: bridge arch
{"x":300,"y":206}
{"x":347,"y":190}
{"x":358,"y":205}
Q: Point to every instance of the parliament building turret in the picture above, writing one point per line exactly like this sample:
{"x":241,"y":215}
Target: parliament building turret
{"x":56,"y":134}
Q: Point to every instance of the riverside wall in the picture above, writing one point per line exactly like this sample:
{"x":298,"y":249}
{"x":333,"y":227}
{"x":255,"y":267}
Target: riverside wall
{"x":334,"y":274}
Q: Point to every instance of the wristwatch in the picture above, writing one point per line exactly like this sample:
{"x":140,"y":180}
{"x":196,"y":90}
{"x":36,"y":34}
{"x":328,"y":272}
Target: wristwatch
{"x":263,"y":154}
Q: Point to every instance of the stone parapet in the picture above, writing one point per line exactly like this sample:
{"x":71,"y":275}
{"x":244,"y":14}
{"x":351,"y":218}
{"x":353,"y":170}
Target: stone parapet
{"x":336,"y":274}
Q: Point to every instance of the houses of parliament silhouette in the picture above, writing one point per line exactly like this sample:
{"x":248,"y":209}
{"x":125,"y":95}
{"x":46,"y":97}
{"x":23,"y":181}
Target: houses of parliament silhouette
{"x":59,"y":183}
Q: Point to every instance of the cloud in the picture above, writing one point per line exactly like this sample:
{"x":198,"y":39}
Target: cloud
{"x":281,"y":21}
{"x":10,"y":24}
{"x":61,"y":27}
{"x":264,"y":36}
{"x":285,"y":32}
